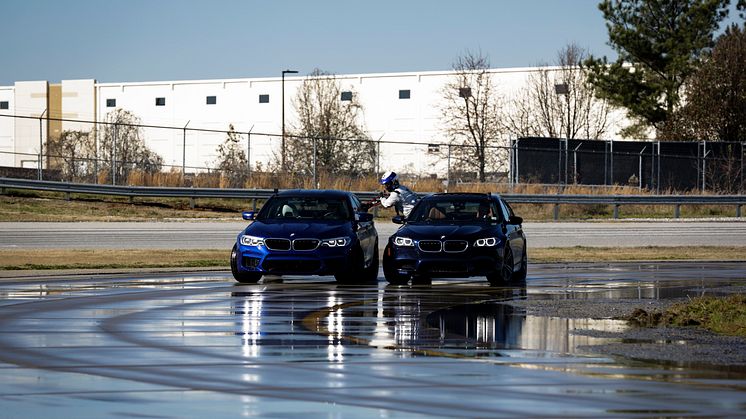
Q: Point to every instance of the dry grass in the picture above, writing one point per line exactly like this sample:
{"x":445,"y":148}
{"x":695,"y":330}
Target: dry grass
{"x":16,"y":259}
{"x":97,"y":259}
{"x":628,"y":254}
{"x":53,"y":207}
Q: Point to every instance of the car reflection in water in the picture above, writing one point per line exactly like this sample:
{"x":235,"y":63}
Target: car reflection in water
{"x":248,"y":307}
{"x":415,"y":318}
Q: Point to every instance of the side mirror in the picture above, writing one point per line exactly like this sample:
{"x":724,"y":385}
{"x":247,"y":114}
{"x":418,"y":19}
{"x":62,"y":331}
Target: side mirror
{"x":515,"y":220}
{"x":248,"y":215}
{"x":364,"y":217}
{"x":398,"y":219}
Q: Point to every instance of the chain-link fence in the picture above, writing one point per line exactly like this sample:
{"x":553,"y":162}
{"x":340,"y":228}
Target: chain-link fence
{"x":652,"y":165}
{"x":126,"y":152}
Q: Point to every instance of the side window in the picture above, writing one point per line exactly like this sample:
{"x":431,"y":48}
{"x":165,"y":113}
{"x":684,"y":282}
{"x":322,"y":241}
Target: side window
{"x":510,"y":209}
{"x":503,"y":209}
{"x":497,"y":211}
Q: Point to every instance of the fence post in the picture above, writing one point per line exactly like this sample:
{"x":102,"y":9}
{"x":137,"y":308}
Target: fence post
{"x":567,"y":144}
{"x":740,"y":188}
{"x":611,"y":162}
{"x":639,"y":169}
{"x":510,"y":164}
{"x":559,"y":162}
{"x":677,"y":211}
{"x":114,"y":156}
{"x":556,"y":212}
{"x":95,"y":151}
{"x":314,"y":163}
{"x":575,"y":164}
{"x":183,"y":155}
{"x":616,"y":211}
{"x":606,"y":163}
{"x":448,"y":173}
{"x":658,"y":167}
{"x":41,"y":146}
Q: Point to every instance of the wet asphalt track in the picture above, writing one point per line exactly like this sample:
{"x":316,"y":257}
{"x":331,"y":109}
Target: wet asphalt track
{"x":200,"y":345}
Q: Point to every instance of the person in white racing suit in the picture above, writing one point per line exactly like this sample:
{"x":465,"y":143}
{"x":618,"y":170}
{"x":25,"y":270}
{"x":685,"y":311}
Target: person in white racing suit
{"x":399,"y":196}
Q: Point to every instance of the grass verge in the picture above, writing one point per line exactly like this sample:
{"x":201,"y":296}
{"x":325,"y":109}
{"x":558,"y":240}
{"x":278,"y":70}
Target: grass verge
{"x":631,"y":254}
{"x":55,"y":259}
{"x":722,"y":315}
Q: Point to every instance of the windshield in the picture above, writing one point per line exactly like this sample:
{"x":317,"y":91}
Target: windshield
{"x":315,"y":208}
{"x":456,"y":209}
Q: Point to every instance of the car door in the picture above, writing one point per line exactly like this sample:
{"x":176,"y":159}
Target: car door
{"x":366,"y":231}
{"x":514,"y":232}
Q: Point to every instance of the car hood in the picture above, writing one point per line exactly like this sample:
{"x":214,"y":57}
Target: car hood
{"x":448,"y":231}
{"x":284,"y":229}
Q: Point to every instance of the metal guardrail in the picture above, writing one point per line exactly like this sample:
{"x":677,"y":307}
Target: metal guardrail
{"x":147,"y":191}
{"x":618,"y":200}
{"x":260,"y":194}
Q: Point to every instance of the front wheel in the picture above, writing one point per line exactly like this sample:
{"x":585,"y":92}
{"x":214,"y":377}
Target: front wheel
{"x":521,"y":274}
{"x":389,"y":271}
{"x":505,"y":273}
{"x":357,"y":273}
{"x":242,"y":277}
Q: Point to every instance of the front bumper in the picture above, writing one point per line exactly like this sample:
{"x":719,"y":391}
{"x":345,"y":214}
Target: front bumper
{"x":471,"y":262}
{"x":321,"y":261}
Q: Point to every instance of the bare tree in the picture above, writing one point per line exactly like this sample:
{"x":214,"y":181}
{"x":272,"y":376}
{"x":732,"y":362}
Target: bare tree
{"x":73,"y":153}
{"x":329,"y":135}
{"x":122,"y":147}
{"x":470,"y":116}
{"x":559,"y":102}
{"x":231,"y":160}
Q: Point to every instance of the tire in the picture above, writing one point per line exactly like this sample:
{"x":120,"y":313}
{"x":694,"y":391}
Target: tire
{"x":242,"y":277}
{"x":521,"y":274}
{"x":371,"y":272}
{"x":505,"y":273}
{"x":389,"y":272}
{"x":357,"y":273}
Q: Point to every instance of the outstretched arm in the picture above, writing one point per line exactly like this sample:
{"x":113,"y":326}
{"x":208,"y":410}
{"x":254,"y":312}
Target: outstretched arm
{"x":388,"y":201}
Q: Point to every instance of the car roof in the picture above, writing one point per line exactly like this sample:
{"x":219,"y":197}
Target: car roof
{"x":314,"y":193}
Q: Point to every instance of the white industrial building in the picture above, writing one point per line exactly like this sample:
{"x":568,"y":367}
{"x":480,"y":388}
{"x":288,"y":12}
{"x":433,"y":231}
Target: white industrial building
{"x":398,"y":107}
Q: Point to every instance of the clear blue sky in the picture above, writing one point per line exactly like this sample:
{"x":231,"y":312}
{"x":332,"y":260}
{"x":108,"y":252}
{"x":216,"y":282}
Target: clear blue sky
{"x":143,"y":40}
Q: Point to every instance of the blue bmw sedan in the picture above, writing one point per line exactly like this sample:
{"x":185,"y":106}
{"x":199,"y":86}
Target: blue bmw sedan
{"x":457,"y":235}
{"x":308,"y":232}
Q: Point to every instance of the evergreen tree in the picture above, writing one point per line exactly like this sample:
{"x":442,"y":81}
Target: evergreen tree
{"x":659,"y":43}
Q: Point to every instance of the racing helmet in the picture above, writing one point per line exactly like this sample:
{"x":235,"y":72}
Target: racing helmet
{"x":390,"y":180}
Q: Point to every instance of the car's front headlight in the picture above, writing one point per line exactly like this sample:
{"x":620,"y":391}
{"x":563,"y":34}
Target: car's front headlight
{"x":487,"y":242}
{"x":403,"y":242}
{"x":335,"y":242}
{"x":253,"y":241}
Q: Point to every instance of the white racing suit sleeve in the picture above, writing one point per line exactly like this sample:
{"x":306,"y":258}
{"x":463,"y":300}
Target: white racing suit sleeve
{"x":391,"y":200}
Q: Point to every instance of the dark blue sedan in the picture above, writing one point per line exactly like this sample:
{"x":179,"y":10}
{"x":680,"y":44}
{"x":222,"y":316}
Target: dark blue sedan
{"x":457,"y":235}
{"x":308,"y":232}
